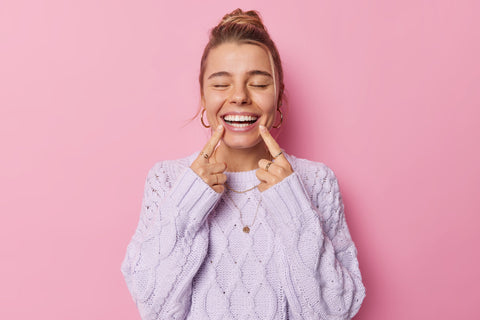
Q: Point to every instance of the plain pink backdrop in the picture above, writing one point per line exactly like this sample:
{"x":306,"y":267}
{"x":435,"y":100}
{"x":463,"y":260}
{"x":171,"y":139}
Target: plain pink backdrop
{"x":92,"y":93}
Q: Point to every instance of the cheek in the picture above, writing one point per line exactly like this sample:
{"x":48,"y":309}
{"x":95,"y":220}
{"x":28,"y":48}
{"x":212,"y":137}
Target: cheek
{"x":270,"y":110}
{"x":268,"y":105}
{"x":213,"y":104}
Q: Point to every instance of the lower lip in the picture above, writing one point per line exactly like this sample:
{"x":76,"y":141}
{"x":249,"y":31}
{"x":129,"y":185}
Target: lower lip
{"x":240,"y":129}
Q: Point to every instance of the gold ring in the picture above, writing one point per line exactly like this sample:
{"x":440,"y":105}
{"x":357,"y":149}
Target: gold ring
{"x":204,"y":154}
{"x":268,"y":166}
{"x":278,"y":154}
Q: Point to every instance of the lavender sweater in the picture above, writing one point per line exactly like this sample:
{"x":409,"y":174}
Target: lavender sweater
{"x":190,"y":259}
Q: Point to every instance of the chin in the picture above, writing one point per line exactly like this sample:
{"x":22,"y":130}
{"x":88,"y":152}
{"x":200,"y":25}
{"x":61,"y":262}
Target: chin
{"x":239,"y":142}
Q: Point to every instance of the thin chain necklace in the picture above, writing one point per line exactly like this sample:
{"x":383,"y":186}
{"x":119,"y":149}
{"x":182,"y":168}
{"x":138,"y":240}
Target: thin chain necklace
{"x":237,"y":191}
{"x":246,"y":228}
{"x":226,"y":185}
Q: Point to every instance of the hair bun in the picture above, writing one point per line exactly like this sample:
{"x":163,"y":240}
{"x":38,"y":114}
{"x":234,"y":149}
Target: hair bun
{"x":242,"y":27}
{"x":239,"y":16}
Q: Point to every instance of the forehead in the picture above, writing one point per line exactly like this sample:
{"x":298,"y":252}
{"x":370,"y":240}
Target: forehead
{"x":237,"y":58}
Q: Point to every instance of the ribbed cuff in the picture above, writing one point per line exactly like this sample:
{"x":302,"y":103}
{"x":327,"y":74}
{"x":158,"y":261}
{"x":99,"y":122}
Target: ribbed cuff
{"x":287,"y":201}
{"x":193,"y":198}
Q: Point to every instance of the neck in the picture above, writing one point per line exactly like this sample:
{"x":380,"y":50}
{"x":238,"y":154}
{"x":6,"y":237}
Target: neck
{"x":241,"y":159}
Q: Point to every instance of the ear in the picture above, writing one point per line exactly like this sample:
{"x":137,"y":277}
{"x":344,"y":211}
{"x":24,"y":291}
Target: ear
{"x":202,"y":101}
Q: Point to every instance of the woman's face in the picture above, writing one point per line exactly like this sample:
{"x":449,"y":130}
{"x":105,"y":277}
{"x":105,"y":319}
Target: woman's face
{"x":238,"y":92}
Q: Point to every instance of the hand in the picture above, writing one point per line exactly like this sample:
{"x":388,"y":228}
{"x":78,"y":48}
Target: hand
{"x":271,"y":173}
{"x":211,"y":173}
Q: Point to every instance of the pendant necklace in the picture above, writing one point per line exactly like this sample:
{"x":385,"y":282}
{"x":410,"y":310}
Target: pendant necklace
{"x":246,"y":228}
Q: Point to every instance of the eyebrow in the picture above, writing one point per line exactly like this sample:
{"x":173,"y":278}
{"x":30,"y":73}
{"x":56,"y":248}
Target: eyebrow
{"x":250,"y":73}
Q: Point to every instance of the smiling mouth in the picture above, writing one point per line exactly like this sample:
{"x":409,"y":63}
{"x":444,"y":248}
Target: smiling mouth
{"x":240,"y":121}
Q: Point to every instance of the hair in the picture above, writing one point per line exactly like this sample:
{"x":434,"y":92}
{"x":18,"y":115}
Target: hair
{"x":245,"y":27}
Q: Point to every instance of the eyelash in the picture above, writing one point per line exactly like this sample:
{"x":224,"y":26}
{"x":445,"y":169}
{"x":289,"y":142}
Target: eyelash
{"x":252,"y":85}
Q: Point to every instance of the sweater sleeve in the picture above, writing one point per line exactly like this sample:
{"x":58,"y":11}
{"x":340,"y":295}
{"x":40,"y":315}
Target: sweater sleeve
{"x":318,"y":258}
{"x":169,"y":244}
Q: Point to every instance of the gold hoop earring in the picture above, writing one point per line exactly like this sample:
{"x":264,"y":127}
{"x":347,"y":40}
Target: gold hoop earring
{"x":201,"y":119}
{"x":281,"y":119}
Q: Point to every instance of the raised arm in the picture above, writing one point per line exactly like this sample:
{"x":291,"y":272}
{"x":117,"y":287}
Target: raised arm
{"x":171,"y":240}
{"x":169,"y":244}
{"x":318,"y":259}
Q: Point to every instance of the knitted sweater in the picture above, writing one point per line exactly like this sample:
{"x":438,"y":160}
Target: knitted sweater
{"x":190,"y":259}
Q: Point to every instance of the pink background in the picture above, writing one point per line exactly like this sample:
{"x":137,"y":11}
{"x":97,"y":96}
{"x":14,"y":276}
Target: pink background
{"x":92,"y":93}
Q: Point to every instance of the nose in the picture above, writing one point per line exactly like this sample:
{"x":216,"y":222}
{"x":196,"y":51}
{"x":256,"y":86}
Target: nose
{"x":240,"y":96}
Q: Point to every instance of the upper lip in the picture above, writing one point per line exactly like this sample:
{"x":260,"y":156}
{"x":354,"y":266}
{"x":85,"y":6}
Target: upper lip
{"x":239,"y":114}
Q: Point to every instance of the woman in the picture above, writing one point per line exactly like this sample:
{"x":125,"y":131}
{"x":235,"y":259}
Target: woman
{"x":241,"y":230}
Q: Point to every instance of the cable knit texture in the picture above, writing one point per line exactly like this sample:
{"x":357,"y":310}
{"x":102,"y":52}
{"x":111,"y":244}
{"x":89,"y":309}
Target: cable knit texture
{"x":190,"y":259}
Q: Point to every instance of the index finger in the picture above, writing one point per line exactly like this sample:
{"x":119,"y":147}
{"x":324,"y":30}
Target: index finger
{"x":212,"y":143}
{"x":272,"y":145}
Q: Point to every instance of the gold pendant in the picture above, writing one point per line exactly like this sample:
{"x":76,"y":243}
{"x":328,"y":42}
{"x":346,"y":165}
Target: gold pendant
{"x":246,"y":229}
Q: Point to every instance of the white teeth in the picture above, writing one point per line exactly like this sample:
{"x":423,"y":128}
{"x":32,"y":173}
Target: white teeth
{"x":239,"y":118}
{"x":239,"y":125}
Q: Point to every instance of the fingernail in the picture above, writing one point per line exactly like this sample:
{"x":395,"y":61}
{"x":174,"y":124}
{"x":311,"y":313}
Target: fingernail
{"x":262,"y":128}
{"x":219,"y":127}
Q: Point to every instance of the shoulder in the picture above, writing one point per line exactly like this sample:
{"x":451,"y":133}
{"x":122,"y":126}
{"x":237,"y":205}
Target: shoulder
{"x":321,"y":184}
{"x":174,"y":164}
{"x":166,"y":171}
{"x":318,"y":179}
{"x":311,"y":171}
